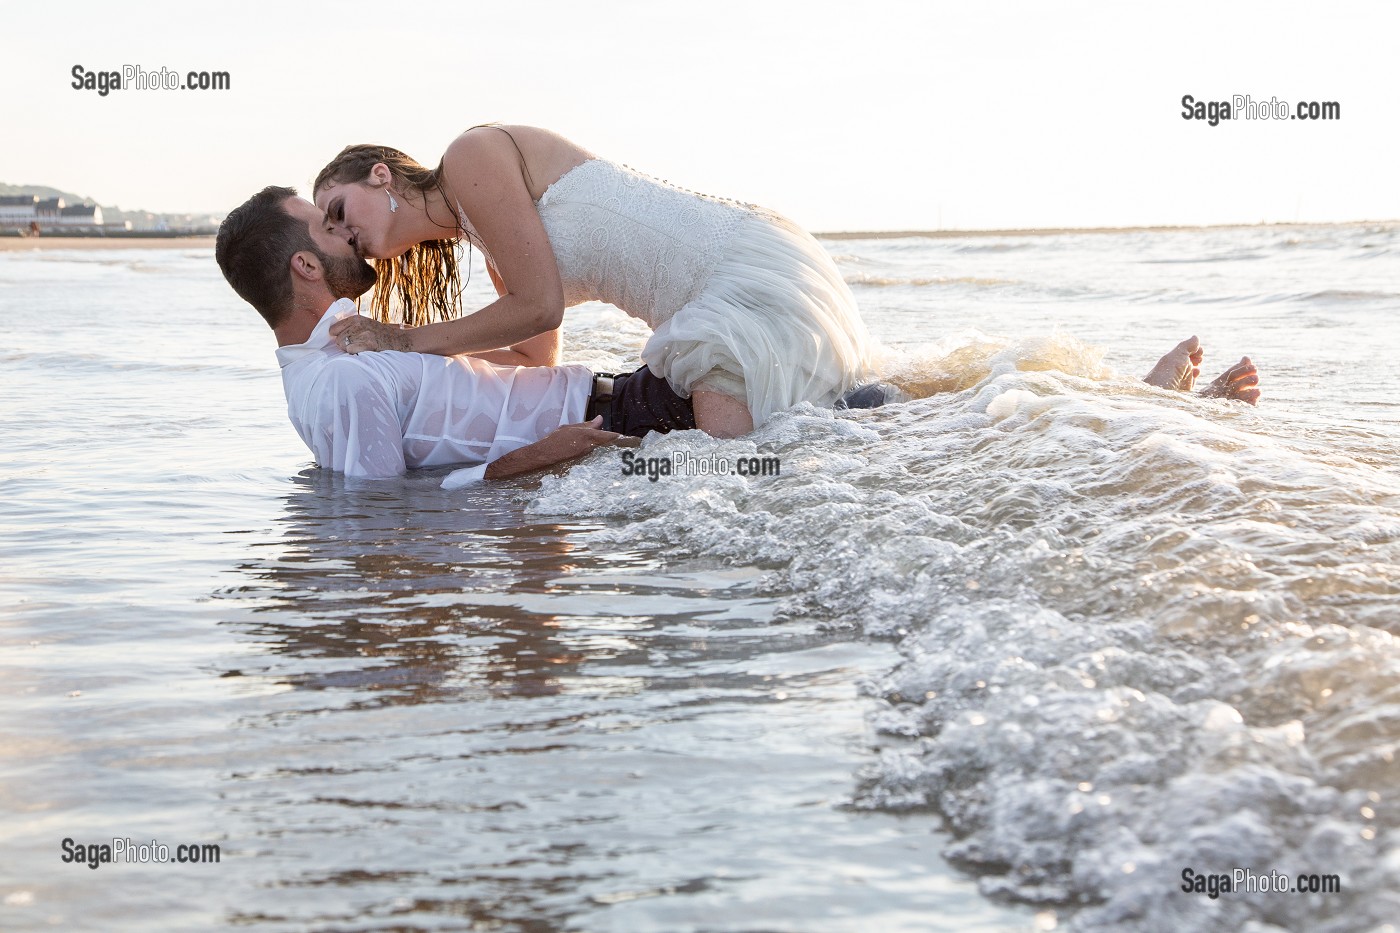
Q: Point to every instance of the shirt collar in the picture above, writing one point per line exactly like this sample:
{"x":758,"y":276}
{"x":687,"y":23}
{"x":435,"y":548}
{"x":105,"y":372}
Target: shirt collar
{"x":320,"y":340}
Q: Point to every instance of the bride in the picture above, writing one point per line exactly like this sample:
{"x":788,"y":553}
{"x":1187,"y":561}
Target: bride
{"x":748,"y":312}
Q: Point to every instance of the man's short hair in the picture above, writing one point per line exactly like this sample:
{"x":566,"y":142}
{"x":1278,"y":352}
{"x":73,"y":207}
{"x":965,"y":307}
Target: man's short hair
{"x":255,"y":247}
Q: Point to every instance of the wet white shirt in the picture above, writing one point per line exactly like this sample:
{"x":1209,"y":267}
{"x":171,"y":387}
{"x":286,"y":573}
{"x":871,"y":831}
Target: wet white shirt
{"x":377,"y":414}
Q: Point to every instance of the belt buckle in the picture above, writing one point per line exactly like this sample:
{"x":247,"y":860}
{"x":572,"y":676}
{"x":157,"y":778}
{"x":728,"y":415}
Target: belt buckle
{"x":602,"y":388}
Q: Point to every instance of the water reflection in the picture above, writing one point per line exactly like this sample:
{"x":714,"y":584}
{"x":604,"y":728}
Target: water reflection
{"x":429,"y":595}
{"x":490,"y":721}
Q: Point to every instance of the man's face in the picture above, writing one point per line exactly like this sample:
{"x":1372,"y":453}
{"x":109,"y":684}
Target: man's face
{"x":347,"y":275}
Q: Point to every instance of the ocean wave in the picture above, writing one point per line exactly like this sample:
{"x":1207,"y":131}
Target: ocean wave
{"x":1331,"y":296}
{"x":1234,"y":255}
{"x":963,"y":360}
{"x":1142,"y":632}
{"x":880,"y":281}
{"x":1000,"y":246}
{"x":1342,"y":295}
{"x":86,"y":362}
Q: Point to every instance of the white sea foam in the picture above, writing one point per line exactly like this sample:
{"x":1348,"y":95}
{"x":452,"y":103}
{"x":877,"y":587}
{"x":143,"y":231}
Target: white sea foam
{"x":1142,"y":632}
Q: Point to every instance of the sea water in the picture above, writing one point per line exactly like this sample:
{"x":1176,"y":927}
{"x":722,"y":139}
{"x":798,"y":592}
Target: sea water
{"x":1016,"y":654}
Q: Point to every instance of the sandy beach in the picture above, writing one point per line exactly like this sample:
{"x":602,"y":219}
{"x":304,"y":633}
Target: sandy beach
{"x":15,"y":243}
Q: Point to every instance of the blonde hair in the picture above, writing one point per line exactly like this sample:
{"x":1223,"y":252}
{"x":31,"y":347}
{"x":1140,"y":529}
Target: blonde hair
{"x":423,"y":282}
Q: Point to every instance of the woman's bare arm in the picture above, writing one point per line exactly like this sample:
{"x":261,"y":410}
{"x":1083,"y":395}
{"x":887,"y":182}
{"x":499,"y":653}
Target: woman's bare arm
{"x":539,"y":350}
{"x":481,"y":171}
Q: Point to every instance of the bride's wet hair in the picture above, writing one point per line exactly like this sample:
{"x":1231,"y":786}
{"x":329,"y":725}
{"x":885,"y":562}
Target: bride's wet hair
{"x":423,"y":282}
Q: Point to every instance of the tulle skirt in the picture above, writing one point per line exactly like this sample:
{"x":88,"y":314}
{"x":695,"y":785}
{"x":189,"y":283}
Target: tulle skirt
{"x":774,"y":325}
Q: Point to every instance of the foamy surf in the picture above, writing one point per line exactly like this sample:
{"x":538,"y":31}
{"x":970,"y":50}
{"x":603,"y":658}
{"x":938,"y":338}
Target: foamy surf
{"x":1143,"y":632}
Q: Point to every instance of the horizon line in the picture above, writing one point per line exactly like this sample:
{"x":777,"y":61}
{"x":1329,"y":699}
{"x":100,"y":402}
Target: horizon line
{"x":1053,"y":231}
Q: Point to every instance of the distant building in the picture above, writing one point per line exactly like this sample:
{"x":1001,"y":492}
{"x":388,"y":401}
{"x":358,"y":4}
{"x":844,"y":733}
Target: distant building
{"x":35,"y":214}
{"x":46,"y":210}
{"x":18,"y":208}
{"x":22,"y":210}
{"x":79,"y":215}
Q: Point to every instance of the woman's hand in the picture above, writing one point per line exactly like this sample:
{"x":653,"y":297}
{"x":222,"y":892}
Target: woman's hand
{"x":358,"y":334}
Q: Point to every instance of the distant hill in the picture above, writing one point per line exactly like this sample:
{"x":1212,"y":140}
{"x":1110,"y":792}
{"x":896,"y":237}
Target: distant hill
{"x":140,"y":220}
{"x":44,"y":191}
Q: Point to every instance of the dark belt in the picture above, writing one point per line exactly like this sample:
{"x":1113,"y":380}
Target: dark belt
{"x":600,"y":399}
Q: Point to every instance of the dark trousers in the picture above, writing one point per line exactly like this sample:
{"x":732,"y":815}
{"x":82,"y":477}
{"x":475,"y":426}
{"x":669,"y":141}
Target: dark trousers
{"x":643,"y":402}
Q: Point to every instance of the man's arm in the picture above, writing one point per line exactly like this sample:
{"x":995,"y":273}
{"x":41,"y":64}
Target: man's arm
{"x":539,"y":350}
{"x":561,"y":445}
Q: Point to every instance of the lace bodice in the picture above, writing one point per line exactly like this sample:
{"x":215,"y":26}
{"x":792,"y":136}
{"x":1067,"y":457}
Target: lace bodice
{"x":634,"y":241}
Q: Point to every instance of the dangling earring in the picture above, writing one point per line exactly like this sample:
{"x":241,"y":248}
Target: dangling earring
{"x":393,"y":204}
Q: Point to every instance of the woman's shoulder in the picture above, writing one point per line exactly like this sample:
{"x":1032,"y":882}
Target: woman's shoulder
{"x":544,"y":154}
{"x":530,"y":142}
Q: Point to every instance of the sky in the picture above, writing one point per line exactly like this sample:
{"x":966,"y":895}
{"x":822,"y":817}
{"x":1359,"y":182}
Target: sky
{"x":872,"y":115}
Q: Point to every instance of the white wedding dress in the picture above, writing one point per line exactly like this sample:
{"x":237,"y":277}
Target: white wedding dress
{"x":740,"y":299}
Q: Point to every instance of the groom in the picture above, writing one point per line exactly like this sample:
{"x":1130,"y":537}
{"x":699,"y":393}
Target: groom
{"x":374,"y":415}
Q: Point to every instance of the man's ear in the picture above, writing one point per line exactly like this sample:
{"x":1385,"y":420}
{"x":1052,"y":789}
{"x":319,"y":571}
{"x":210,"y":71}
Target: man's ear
{"x":306,"y":266}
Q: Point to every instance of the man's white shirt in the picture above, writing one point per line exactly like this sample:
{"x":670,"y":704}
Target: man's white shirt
{"x":377,"y":414}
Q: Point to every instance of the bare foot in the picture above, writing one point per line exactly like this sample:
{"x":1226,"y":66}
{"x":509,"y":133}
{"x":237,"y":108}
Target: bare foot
{"x":1179,"y":368}
{"x":1240,"y":382}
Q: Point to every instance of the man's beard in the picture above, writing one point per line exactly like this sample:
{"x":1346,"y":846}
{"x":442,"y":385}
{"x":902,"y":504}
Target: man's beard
{"x":347,"y":278}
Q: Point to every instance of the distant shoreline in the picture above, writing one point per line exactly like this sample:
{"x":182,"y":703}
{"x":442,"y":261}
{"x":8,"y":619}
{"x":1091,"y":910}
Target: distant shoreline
{"x":14,"y":244}
{"x":1060,"y":231}
{"x":201,"y":241}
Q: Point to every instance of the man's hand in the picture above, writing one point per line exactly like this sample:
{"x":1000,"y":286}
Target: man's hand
{"x":358,"y":333}
{"x":575,"y":440}
{"x":565,"y":443}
